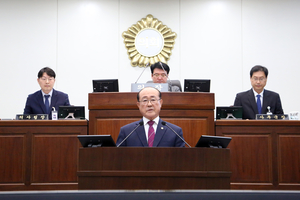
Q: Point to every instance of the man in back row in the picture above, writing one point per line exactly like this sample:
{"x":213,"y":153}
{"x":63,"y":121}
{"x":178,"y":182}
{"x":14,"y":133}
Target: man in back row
{"x":159,"y":74}
{"x":42,"y":101}
{"x":257,"y":100}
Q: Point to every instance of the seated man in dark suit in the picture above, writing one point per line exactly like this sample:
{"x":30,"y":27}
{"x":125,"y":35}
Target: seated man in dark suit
{"x":42,"y":101}
{"x":150,"y":131}
{"x":258,"y":100}
{"x":159,"y":74}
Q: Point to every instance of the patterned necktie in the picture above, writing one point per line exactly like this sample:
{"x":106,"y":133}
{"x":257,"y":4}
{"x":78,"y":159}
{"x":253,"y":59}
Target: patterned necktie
{"x":151,"y":133}
{"x":258,"y":102}
{"x":47,"y":103}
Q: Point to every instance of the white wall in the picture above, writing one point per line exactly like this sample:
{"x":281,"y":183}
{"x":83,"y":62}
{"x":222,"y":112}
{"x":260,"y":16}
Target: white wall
{"x":82,"y":40}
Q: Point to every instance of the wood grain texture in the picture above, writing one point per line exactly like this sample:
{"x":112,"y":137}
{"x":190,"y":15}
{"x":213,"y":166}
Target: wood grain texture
{"x":39,"y":155}
{"x":153,"y":168}
{"x":265,"y":154}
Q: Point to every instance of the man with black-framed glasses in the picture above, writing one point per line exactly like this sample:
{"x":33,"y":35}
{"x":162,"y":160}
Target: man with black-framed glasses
{"x":159,"y":74}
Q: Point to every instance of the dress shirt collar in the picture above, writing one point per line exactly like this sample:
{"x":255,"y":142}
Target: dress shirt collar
{"x":156,"y":120}
{"x":255,"y":93}
{"x":50,"y":93}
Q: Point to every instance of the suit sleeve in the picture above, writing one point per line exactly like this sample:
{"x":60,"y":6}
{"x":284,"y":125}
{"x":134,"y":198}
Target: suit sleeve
{"x":179,"y":142}
{"x":279,"y":109}
{"x":237,"y":101}
{"x":121,"y":137}
{"x":27,"y":109}
{"x":67,"y":102}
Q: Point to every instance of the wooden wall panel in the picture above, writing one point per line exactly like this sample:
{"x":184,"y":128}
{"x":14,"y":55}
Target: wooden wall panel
{"x":289,"y":159}
{"x":111,"y":126}
{"x":54,"y":158}
{"x":251,"y":158}
{"x":39,"y":155}
{"x":12,"y":158}
{"x":265,"y":154}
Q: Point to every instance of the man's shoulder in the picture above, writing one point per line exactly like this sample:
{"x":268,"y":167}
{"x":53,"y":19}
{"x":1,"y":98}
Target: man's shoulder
{"x":131,"y":124}
{"x":269,"y":92}
{"x":171,"y":125}
{"x":244,"y":93}
{"x":35,"y":94}
{"x":56,"y":92}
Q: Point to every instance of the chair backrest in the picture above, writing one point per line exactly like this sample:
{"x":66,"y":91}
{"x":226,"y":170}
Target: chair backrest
{"x":174,"y":82}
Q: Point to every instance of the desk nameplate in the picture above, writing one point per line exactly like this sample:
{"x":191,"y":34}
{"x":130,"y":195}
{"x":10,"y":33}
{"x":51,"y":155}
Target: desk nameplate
{"x":272,"y":117}
{"x":32,"y":117}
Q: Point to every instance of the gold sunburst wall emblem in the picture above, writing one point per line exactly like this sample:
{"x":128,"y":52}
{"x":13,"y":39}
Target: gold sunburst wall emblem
{"x":149,"y":41}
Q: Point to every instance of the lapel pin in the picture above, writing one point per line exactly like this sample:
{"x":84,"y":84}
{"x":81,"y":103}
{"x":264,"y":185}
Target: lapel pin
{"x":161,"y":128}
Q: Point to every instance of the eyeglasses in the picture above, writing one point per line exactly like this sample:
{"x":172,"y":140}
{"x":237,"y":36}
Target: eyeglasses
{"x":259,"y":79}
{"x":45,"y":79}
{"x":162,"y":75}
{"x":152,"y":101}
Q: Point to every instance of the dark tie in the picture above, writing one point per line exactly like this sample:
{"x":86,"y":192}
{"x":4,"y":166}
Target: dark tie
{"x":151,"y":133}
{"x":47,"y":103}
{"x":258,"y":102}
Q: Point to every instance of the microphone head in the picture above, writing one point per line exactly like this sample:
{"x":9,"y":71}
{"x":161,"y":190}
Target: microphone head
{"x":141,"y":123}
{"x":163,"y":123}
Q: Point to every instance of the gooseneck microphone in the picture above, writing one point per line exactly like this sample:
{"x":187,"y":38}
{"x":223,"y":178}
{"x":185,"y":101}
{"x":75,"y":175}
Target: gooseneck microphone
{"x":140,"y":124}
{"x":165,"y":124}
{"x":142,"y":73}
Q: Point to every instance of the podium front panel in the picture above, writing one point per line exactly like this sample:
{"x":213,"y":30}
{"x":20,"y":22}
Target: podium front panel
{"x":153,"y":168}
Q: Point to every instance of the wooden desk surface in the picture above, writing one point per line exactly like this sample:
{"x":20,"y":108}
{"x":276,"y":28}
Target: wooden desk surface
{"x":5,"y":123}
{"x":257,"y":122}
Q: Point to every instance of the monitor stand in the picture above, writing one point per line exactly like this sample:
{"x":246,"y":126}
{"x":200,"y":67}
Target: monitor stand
{"x":230,"y":116}
{"x":215,"y":146}
{"x":95,"y":145}
{"x":70,"y":115}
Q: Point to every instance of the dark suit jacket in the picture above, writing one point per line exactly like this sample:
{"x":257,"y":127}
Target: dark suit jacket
{"x":248,"y":102}
{"x":164,"y":136}
{"x":35,"y":103}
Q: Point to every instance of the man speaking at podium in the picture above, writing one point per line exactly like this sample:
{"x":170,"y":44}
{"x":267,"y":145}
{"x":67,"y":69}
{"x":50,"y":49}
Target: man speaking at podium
{"x":150,"y":131}
{"x":258,"y":100}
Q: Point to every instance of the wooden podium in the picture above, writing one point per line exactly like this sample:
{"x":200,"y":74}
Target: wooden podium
{"x":192,"y":111}
{"x":153,"y":168}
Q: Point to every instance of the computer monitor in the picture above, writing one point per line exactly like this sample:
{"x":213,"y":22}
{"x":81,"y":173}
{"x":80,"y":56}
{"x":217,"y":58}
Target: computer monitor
{"x":230,"y":112}
{"x":196,"y":85}
{"x":106,"y":85}
{"x":96,"y":140}
{"x":213,"y":141}
{"x":71,"y":112}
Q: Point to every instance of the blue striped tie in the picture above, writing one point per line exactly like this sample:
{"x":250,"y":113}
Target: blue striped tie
{"x":258,"y":102}
{"x":47,"y":103}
